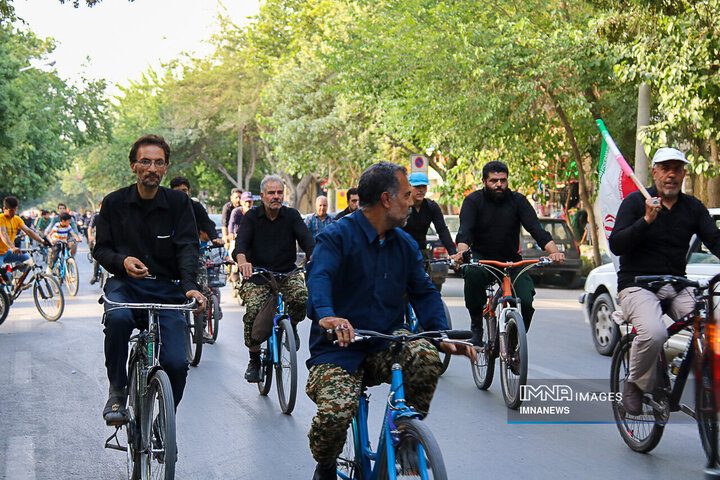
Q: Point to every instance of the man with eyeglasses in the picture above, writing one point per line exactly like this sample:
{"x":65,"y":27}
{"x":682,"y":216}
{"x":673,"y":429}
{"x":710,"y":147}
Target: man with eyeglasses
{"x":146,"y":237}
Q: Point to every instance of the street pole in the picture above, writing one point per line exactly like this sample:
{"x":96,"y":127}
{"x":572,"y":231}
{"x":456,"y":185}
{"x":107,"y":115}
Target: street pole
{"x":643,"y":120}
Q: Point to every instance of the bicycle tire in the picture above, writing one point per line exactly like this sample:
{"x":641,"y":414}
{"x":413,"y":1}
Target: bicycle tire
{"x":706,"y":413}
{"x":4,"y":305}
{"x":72,"y":277}
{"x":483,"y":369}
{"x":349,"y":462}
{"x":193,"y":348}
{"x":266,"y":369}
{"x":286,"y":368}
{"x":641,"y":433}
{"x":48,"y":297}
{"x":132,"y":431}
{"x":446,"y":357}
{"x":513,"y":370}
{"x":413,"y":432}
{"x":214,"y":322}
{"x":157,"y":459}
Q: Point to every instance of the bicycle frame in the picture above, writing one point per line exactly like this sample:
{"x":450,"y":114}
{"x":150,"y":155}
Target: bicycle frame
{"x":272,"y":341}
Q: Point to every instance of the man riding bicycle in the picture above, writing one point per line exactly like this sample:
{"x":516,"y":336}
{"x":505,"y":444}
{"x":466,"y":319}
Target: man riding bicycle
{"x":384,"y":264}
{"x":10,"y":224}
{"x":147,"y":238}
{"x":266,"y":238}
{"x":651,"y":237}
{"x":490,"y":220}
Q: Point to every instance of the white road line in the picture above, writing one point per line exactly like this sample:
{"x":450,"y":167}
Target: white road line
{"x":20,"y":459}
{"x":21,"y":373}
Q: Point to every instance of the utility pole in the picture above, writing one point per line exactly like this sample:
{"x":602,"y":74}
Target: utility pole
{"x":643,"y":120}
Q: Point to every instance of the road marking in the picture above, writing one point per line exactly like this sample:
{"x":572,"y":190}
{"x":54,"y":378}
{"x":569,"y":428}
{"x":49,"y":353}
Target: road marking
{"x":21,"y":373}
{"x":20,"y":458}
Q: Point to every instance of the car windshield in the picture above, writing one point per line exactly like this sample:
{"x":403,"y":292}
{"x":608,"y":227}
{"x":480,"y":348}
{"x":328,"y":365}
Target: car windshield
{"x":704,"y":255}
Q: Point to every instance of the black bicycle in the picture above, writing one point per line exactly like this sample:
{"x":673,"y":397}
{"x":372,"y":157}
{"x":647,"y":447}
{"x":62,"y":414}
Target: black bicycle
{"x":150,"y":429}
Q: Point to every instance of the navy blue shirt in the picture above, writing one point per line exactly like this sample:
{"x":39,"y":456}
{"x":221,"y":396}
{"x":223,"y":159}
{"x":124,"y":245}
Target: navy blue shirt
{"x":354,"y":275}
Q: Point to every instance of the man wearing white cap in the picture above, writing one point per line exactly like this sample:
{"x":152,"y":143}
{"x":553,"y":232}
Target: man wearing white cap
{"x":651,"y":237}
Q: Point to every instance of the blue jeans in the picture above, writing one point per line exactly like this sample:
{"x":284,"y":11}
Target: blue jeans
{"x":120,"y":323}
{"x":13,"y":258}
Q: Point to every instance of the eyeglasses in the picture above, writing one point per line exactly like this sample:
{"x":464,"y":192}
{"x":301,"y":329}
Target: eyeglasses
{"x":146,"y":162}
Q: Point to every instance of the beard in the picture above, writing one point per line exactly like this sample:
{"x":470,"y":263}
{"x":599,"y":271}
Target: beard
{"x":497,"y":195}
{"x":151,"y":181}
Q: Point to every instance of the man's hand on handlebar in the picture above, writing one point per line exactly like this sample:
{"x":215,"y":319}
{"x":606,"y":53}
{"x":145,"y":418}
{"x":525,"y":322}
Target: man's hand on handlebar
{"x":458,"y":349}
{"x":199,"y":298}
{"x":557,"y":257}
{"x":341,"y":327}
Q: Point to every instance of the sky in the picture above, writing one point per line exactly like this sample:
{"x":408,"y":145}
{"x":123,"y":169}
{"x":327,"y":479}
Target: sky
{"x":123,"y":39}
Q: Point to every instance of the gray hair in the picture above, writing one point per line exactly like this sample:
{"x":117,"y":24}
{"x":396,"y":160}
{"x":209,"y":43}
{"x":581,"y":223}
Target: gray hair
{"x":320,"y":197}
{"x":271,"y":178}
{"x":376,"y":179}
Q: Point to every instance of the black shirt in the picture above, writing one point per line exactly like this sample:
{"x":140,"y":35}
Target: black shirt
{"x":661,"y":247}
{"x":203,"y":220}
{"x":341,"y":214}
{"x":160,"y":232}
{"x":492,"y":228}
{"x":226,"y":212}
{"x":419,"y":222}
{"x":270,"y":244}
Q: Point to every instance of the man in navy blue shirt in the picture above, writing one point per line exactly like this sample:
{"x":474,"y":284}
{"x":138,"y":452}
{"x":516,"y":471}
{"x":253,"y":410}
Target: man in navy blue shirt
{"x":361,"y":269}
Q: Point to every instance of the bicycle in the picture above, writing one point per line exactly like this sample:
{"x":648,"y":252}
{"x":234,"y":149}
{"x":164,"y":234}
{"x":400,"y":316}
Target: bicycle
{"x":642,"y":432}
{"x":65,"y":269}
{"x":406,"y":446}
{"x":280,"y":350}
{"x":47,"y":293}
{"x":202,"y":328}
{"x":150,"y":429}
{"x":504,"y":333}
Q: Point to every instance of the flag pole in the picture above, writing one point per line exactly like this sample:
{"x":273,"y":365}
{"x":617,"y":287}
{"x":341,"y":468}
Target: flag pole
{"x":620,"y":159}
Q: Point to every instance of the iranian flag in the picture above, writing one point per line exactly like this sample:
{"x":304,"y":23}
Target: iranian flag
{"x":617,"y":181}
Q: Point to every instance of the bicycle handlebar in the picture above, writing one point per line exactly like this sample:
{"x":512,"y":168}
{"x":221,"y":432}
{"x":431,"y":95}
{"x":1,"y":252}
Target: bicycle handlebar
{"x":406,"y":337}
{"x":655,"y":280}
{"x":191,"y":305}
{"x":259,"y":271}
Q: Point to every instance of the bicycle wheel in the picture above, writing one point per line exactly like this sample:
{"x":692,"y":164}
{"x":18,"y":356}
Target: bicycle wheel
{"x":157,"y":459}
{"x":193,"y":337}
{"x":349,"y":463}
{"x":483,"y":369}
{"x":416,"y":447}
{"x":48,"y":296}
{"x":132,"y":428}
{"x":642,"y":432}
{"x":72,"y":278}
{"x":266,"y":369}
{"x":513,"y":371}
{"x":286,"y":368}
{"x":706,"y":413}
{"x":446,"y":356}
{"x":214,"y":320}
{"x":4,"y":305}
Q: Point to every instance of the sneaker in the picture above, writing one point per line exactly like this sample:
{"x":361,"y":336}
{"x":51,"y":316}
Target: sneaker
{"x":93,"y":280}
{"x":115,"y":412}
{"x":477,"y":333}
{"x":325,"y":471}
{"x":252,"y":374}
{"x":632,"y":399}
{"x":207,"y":338}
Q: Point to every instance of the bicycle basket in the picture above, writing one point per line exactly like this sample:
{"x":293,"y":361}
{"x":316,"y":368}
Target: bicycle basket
{"x":217,"y":276}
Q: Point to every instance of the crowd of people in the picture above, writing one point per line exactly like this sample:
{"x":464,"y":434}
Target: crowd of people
{"x":364,"y":265}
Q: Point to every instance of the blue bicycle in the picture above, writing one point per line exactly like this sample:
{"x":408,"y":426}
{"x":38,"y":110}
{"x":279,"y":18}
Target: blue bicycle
{"x":415,"y":327}
{"x":280,"y":350}
{"x":406,"y":448}
{"x":65,"y":268}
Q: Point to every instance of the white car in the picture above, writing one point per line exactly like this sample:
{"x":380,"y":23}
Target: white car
{"x":600,"y":298}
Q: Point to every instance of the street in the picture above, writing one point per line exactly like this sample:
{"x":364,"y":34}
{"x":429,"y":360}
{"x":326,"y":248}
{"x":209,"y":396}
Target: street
{"x":53,"y":387}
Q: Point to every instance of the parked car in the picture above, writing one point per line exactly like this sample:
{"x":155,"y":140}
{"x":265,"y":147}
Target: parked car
{"x":570,"y":270}
{"x":217,"y":218}
{"x":600,"y":298}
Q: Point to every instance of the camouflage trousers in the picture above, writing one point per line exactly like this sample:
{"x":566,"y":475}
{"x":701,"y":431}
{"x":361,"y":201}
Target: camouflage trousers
{"x":337,"y":392}
{"x":294,"y":294}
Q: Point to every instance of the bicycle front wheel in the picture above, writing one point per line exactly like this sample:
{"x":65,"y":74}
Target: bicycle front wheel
{"x":513,"y":370}
{"x":706,"y":413}
{"x":132,"y":428}
{"x":446,"y":356}
{"x":72,"y":277}
{"x":286,"y":368}
{"x":48,"y":296}
{"x":641,"y":433}
{"x":214,"y":317}
{"x":483,"y":369}
{"x":349,"y":462}
{"x":193,"y":337}
{"x":417,"y":454}
{"x":157,"y":459}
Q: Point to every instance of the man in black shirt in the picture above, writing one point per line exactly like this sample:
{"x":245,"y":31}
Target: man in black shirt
{"x":205,"y":226}
{"x":266,"y":239}
{"x":490,"y":221}
{"x":147,"y":238}
{"x":651,"y":237}
{"x":422,"y":213}
{"x":227,"y":210}
{"x":353,"y":201}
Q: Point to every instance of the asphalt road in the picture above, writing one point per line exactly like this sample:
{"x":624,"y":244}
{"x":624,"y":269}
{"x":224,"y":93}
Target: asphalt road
{"x":53,"y":387}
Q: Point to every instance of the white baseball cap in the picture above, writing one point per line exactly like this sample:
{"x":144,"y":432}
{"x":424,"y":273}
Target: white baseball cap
{"x":666,"y":154}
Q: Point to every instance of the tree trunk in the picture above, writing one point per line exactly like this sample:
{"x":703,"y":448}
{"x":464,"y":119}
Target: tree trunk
{"x":581,"y":175}
{"x":713,"y":184}
{"x":251,"y":170}
{"x":241,"y":133}
{"x":302,"y":188}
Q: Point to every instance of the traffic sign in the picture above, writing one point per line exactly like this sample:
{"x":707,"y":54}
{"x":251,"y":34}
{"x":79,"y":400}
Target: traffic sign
{"x":418,"y":163}
{"x":340,"y":199}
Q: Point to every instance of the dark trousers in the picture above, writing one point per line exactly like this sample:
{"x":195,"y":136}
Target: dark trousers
{"x":120,"y":323}
{"x":478,"y":278}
